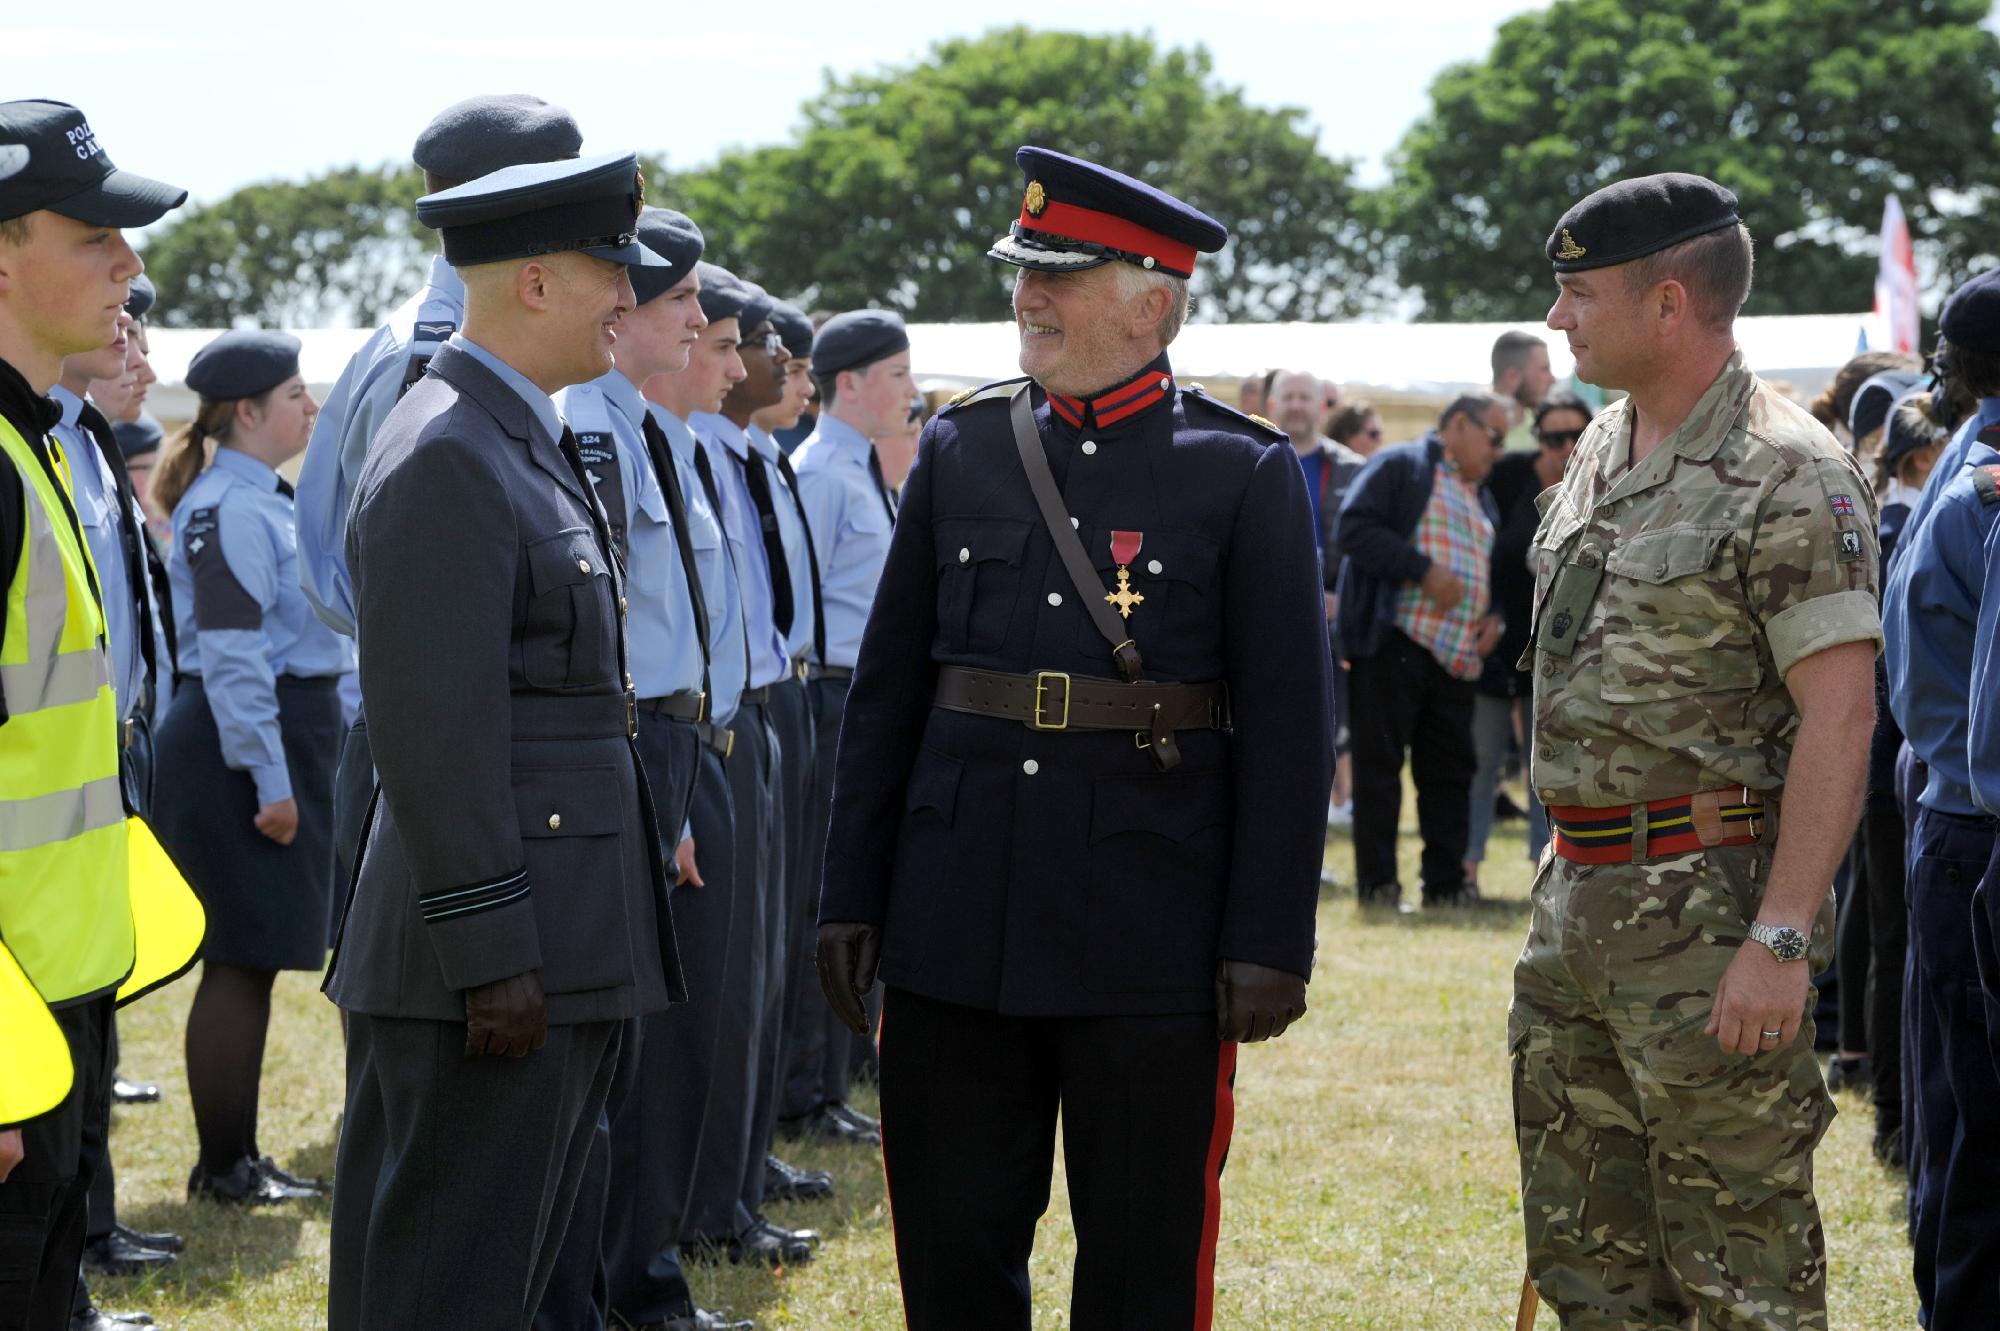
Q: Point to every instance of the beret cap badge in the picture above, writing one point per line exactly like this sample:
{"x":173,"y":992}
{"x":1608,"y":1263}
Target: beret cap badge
{"x":1037,"y":200}
{"x":1570,"y":249}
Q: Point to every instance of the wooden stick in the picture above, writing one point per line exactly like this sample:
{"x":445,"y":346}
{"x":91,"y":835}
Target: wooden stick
{"x":1531,"y":1302}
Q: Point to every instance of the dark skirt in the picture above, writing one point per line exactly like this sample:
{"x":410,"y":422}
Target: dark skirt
{"x":267,"y":904}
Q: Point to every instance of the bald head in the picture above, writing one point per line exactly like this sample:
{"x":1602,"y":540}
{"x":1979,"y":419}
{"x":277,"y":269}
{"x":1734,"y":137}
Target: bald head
{"x":1296,"y":403}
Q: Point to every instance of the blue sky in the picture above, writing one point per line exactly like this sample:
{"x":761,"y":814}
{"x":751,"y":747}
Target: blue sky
{"x":215,"y":94}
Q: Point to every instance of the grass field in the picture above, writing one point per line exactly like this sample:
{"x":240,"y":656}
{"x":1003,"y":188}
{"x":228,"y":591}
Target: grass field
{"x":1372,"y":1182}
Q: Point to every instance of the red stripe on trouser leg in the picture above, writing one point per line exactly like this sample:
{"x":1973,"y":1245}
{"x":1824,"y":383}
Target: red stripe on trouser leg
{"x":1211,"y":1211}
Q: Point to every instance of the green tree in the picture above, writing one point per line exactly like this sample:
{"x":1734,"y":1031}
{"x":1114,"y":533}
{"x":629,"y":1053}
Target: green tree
{"x":1811,"y":110}
{"x":342,"y":248}
{"x":899,"y":180}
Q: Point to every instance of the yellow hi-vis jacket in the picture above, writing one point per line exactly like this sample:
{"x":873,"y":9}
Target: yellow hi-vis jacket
{"x":67,"y":905}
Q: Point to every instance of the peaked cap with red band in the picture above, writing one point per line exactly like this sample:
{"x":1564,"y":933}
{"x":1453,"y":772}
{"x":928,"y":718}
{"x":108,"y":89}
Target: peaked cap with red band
{"x":1077,"y":214}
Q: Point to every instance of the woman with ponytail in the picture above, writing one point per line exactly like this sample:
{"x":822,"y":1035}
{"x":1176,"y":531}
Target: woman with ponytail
{"x":246,"y":751}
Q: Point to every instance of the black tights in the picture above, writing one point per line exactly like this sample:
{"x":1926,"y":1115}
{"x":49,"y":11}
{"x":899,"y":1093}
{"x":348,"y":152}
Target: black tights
{"x":225,"y":1060}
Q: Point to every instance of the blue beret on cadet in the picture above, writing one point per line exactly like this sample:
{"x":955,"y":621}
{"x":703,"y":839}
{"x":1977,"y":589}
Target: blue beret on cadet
{"x":757,"y":306}
{"x":1971,"y":318}
{"x":518,"y":212}
{"x":674,"y":237}
{"x":243,"y":362}
{"x":1630,"y":219}
{"x":1077,"y":214}
{"x":139,"y":296}
{"x":794,"y":328}
{"x":1874,"y":399}
{"x":138,"y":438}
{"x":857,"y":339}
{"x":481,"y":135}
{"x":50,"y":159}
{"x":723,"y":294}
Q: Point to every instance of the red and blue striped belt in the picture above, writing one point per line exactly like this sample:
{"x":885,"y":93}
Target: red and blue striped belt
{"x":1671,"y":826}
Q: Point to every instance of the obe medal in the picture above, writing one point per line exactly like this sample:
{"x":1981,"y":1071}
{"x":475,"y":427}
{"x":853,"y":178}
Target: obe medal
{"x":1125,"y":549}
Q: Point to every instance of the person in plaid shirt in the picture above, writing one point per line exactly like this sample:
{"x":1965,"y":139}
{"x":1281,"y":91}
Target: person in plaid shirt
{"x":1416,"y":529}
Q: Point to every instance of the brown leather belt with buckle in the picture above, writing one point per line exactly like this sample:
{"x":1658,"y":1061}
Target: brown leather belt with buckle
{"x":677,"y":706}
{"x":1055,"y":700}
{"x":1621,"y":833}
{"x":721,"y":742}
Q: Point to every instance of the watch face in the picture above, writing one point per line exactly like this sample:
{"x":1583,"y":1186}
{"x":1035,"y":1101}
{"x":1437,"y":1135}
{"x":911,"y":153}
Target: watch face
{"x":1788,"y":944}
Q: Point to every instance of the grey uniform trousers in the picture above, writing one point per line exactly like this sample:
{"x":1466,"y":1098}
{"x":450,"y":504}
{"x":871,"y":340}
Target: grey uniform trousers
{"x":794,"y":714}
{"x":457,"y":1176}
{"x":715,"y":1207}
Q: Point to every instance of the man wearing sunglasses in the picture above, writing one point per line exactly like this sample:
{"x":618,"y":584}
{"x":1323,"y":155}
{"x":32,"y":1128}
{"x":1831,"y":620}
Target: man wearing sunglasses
{"x":1416,"y":532}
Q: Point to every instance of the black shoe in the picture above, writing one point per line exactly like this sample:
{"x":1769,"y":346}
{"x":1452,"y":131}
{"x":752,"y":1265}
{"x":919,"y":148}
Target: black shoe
{"x":115,"y":1254}
{"x":762,"y":1244}
{"x":701,"y":1320}
{"x":833,"y":1129}
{"x":1383,"y":897}
{"x":246,"y":1184}
{"x":125,"y":1092}
{"x":1504,"y":807}
{"x":1466,"y":896}
{"x":96,"y":1319}
{"x":788,"y":1183}
{"x":268,"y":1167}
{"x":856,"y":1117}
{"x":162,"y":1240}
{"x":1849,"y":1074}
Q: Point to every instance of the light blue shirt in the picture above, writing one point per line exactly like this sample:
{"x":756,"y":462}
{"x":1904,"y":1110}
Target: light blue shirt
{"x":370,"y":385}
{"x":540,"y":403}
{"x":714,"y":561}
{"x":659,"y":624}
{"x":1949,"y":464}
{"x":244,"y":619}
{"x":851,"y":528}
{"x":798,"y":549}
{"x":95,"y":492}
{"x":728,"y":453}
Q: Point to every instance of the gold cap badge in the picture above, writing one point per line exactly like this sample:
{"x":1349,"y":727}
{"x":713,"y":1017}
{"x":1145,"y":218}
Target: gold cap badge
{"x":1570,"y":249}
{"x":1038,"y":198}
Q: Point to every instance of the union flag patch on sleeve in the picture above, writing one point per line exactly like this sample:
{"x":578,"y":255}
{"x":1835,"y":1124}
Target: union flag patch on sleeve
{"x":1843,"y":505}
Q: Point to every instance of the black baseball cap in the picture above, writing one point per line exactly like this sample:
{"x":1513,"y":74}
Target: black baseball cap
{"x":50,"y":159}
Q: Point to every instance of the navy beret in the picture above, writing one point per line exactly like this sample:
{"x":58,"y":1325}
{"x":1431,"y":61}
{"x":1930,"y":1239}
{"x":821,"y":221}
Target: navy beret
{"x":50,"y":158}
{"x":590,"y":205}
{"x":138,"y":438}
{"x":858,"y":339}
{"x":1872,"y":401}
{"x":139,"y":296}
{"x":723,"y":294}
{"x":1971,"y":318}
{"x":674,"y":237}
{"x":243,"y":362}
{"x":794,"y":328}
{"x":757,"y":306}
{"x":1630,"y":219}
{"x":1077,"y":214}
{"x":480,"y":135}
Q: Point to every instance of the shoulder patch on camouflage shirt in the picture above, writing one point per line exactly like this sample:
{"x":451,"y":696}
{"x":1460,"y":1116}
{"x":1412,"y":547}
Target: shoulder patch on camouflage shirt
{"x":1263,"y":428}
{"x":1986,"y":484}
{"x":999,"y":392}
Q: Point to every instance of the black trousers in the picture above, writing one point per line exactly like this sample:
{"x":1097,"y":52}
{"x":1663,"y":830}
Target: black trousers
{"x":817,"y":1067}
{"x":1881,"y":843}
{"x":750,"y":989}
{"x":1405,"y":703}
{"x":970,"y":1103}
{"x":457,"y":1176}
{"x":43,"y":1203}
{"x":793,"y":715}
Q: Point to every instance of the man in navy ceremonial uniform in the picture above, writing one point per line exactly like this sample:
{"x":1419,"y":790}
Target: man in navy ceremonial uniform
{"x":510,"y":910}
{"x":1080,"y":795}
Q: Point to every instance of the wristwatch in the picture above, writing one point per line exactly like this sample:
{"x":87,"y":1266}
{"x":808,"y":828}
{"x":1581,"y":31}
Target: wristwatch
{"x":1785,"y":942}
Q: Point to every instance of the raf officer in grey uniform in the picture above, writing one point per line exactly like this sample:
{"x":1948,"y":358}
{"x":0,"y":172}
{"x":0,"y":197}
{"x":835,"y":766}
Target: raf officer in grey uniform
{"x":510,"y":910}
{"x":464,"y":141}
{"x":861,"y":368}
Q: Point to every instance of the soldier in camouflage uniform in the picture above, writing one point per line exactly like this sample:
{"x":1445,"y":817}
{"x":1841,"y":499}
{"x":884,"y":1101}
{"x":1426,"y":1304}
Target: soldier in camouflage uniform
{"x":1702,"y":655}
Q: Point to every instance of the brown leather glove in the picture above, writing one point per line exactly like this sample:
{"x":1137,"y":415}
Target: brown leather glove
{"x":1255,"y":1002}
{"x":508,"y":1018}
{"x":847,"y":956}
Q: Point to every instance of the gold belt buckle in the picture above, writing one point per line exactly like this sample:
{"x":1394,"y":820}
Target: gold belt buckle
{"x":1042,"y":678}
{"x":728,"y":743}
{"x":126,"y":730}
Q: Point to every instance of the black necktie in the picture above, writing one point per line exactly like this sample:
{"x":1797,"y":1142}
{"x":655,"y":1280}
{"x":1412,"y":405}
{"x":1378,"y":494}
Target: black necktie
{"x":136,"y":571}
{"x":812,"y":557}
{"x":881,"y":486}
{"x":759,"y":482}
{"x":670,"y":485}
{"x":285,"y":488}
{"x":705,"y":471}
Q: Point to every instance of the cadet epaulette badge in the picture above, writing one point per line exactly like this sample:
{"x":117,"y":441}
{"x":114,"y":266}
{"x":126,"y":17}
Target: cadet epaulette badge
{"x":1986,"y":484}
{"x":991,"y":392}
{"x":1200,"y":394}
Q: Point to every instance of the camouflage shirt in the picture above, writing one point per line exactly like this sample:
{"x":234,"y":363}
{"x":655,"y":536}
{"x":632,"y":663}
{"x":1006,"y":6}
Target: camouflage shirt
{"x":1672,"y":597}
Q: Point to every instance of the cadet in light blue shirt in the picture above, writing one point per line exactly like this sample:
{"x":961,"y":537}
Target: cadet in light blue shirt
{"x":466,"y":140}
{"x":728,"y":450}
